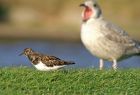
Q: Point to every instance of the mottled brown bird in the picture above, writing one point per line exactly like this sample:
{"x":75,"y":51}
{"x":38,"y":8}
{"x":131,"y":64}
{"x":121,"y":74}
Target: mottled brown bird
{"x":44,"y":62}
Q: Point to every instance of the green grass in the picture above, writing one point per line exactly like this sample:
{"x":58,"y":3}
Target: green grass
{"x":28,"y":81}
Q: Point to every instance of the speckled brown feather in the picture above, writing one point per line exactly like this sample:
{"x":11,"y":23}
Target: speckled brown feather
{"x":54,"y":61}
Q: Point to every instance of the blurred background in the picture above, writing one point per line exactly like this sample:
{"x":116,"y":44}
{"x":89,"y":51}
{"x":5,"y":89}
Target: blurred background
{"x":53,"y":27}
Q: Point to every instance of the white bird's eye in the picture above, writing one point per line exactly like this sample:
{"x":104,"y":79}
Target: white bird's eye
{"x":95,"y":5}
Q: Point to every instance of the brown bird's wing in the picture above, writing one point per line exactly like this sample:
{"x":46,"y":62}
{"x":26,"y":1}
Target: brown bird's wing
{"x":51,"y":61}
{"x":52,"y":58}
{"x":119,"y":36}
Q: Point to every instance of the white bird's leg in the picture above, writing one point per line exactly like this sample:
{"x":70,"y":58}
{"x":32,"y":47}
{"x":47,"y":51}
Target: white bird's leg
{"x":101,"y":64}
{"x":114,"y":65}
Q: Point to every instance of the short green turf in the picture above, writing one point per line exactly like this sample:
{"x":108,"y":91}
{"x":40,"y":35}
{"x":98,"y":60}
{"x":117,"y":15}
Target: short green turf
{"x":28,"y":81}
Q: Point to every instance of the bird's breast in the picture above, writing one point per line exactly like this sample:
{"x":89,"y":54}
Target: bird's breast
{"x":90,"y":34}
{"x":95,"y":41}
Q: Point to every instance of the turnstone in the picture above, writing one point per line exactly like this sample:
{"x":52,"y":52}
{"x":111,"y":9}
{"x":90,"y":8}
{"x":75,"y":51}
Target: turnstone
{"x":44,"y":62}
{"x":105,"y":39}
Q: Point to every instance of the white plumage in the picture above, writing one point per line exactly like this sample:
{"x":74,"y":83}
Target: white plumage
{"x":42,"y":67}
{"x":105,"y":39}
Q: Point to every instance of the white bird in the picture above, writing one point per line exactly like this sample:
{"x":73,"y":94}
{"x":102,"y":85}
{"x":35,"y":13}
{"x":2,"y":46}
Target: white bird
{"x":104,"y":39}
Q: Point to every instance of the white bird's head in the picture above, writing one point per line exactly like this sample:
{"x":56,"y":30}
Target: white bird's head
{"x":92,"y":10}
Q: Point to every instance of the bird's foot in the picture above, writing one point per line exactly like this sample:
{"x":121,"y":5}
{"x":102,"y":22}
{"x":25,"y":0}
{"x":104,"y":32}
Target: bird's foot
{"x":101,"y":64}
{"x":114,"y":65}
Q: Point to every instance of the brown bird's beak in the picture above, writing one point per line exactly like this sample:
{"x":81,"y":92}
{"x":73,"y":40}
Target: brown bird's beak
{"x":82,"y":5}
{"x":21,"y":54}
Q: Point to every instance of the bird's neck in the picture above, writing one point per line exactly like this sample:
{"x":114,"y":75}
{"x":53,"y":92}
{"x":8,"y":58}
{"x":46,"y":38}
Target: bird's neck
{"x":92,"y":19}
{"x":30,"y":57}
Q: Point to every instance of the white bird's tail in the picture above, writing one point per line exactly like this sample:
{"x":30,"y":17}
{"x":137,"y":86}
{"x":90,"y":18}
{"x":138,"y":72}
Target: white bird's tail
{"x":139,"y":49}
{"x":139,"y":52}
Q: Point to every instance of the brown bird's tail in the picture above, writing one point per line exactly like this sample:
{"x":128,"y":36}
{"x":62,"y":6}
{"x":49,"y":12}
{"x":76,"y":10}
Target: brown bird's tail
{"x":69,"y":62}
{"x":138,"y":54}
